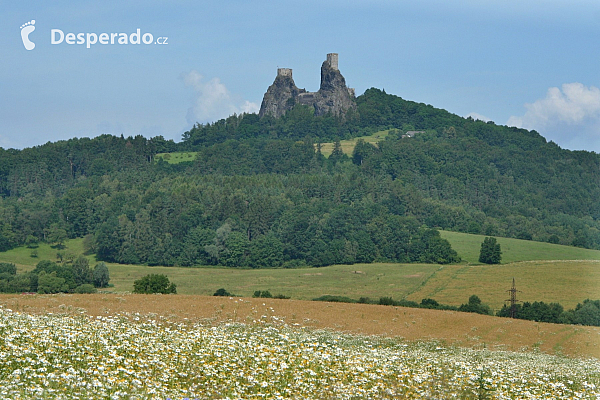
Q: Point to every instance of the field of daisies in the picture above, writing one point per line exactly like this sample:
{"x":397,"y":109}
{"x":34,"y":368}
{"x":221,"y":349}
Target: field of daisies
{"x":142,"y":357}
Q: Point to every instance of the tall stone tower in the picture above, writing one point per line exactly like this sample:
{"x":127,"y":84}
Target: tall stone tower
{"x":332,"y":60}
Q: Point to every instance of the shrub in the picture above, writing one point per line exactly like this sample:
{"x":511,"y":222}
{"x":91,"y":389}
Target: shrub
{"x":154,"y":283}
{"x":86,"y":288}
{"x":264,"y":294}
{"x":222,"y":292}
{"x":335,"y":299}
{"x":475,"y":306}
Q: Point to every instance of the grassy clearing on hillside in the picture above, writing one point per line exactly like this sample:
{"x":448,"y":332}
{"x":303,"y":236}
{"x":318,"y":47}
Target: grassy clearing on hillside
{"x":348,"y":145}
{"x":21,"y":256}
{"x":140,"y":357}
{"x":468,"y":246}
{"x":176,"y":157}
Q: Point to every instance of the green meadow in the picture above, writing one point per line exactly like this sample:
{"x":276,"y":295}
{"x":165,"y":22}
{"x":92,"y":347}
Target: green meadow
{"x":176,"y":157}
{"x":348,"y":145}
{"x":468,"y":246}
{"x":543,"y":272}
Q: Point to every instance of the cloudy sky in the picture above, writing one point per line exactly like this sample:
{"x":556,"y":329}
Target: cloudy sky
{"x":528,"y":63}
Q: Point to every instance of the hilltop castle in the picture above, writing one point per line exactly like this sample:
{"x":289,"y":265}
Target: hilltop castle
{"x":333,"y":95}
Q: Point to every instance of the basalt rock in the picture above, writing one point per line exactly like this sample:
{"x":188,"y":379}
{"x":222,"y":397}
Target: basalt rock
{"x":333,"y":96}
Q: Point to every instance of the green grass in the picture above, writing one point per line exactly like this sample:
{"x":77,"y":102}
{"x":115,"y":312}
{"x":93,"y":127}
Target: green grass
{"x":543,"y":272}
{"x":468,"y":246}
{"x":348,"y":145}
{"x":371,"y":280}
{"x":552,"y":281}
{"x":176,"y":157}
{"x":21,"y":256}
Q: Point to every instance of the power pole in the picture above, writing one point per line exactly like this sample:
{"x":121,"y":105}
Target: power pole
{"x":513,"y":299}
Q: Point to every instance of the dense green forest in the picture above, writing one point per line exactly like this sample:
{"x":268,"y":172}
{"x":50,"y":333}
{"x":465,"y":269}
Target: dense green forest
{"x":260,"y":195}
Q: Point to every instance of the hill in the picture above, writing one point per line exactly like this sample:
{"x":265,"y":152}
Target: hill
{"x":259,"y":195}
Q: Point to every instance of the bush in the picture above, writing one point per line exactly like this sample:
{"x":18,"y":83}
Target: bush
{"x":475,"y":306}
{"x":335,"y":299}
{"x":264,"y":294}
{"x":50,"y":283}
{"x":86,"y":288}
{"x":154,"y":283}
{"x":222,"y":292}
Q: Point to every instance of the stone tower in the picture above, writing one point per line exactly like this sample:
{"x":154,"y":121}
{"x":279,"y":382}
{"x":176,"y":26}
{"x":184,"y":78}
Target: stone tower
{"x":333,"y":96}
{"x":284,"y":72}
{"x":332,"y":60}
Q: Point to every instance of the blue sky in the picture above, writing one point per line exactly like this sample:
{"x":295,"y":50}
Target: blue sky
{"x":533,"y":64}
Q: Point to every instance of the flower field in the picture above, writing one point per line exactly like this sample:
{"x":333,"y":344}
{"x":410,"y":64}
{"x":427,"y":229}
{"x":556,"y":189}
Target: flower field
{"x":132,"y":356}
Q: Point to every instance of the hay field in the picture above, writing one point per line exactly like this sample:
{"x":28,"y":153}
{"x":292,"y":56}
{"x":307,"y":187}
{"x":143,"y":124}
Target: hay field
{"x":446,"y":327}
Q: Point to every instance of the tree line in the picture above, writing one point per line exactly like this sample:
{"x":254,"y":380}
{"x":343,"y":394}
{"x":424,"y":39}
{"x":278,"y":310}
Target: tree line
{"x":51,"y":277}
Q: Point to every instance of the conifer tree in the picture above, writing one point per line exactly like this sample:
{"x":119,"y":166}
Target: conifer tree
{"x":490,"y":251}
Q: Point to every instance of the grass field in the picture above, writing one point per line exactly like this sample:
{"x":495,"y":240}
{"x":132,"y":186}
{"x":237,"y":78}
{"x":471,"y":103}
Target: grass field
{"x":21,"y":256}
{"x":543,"y":272}
{"x":468,"y":247}
{"x":176,"y":157}
{"x":348,"y":145}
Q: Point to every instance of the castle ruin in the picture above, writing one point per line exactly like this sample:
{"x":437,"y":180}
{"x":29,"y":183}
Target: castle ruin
{"x":332,"y":97}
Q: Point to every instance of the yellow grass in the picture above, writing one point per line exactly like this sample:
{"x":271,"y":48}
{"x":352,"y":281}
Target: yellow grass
{"x":564,"y":282}
{"x":348,"y":145}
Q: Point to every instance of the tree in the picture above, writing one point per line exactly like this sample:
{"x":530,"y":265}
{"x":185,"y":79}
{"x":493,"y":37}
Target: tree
{"x":154,"y":283}
{"x":50,"y":283}
{"x":266,"y":252}
{"x":81,"y":271}
{"x":101,"y":275}
{"x":490,"y":251}
{"x":475,"y":306}
{"x":57,"y":235}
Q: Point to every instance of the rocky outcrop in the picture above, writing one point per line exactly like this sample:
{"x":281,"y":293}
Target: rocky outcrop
{"x":280,"y":96}
{"x":333,"y":96}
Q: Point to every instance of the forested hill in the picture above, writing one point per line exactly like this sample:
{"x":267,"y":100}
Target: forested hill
{"x":258,"y":193}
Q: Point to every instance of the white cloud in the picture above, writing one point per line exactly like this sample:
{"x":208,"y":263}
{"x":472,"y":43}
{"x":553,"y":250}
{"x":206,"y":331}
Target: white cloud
{"x":570,"y":116}
{"x":213,"y":101}
{"x":479,"y":117}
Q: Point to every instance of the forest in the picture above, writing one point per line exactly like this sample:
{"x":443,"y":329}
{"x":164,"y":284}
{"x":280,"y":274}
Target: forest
{"x":260,"y":194}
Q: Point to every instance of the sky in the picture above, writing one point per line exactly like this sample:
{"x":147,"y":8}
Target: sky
{"x":527,"y":63}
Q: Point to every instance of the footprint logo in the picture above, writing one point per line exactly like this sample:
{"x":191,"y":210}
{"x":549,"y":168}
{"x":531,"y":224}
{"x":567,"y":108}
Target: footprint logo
{"x":26,"y":29}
